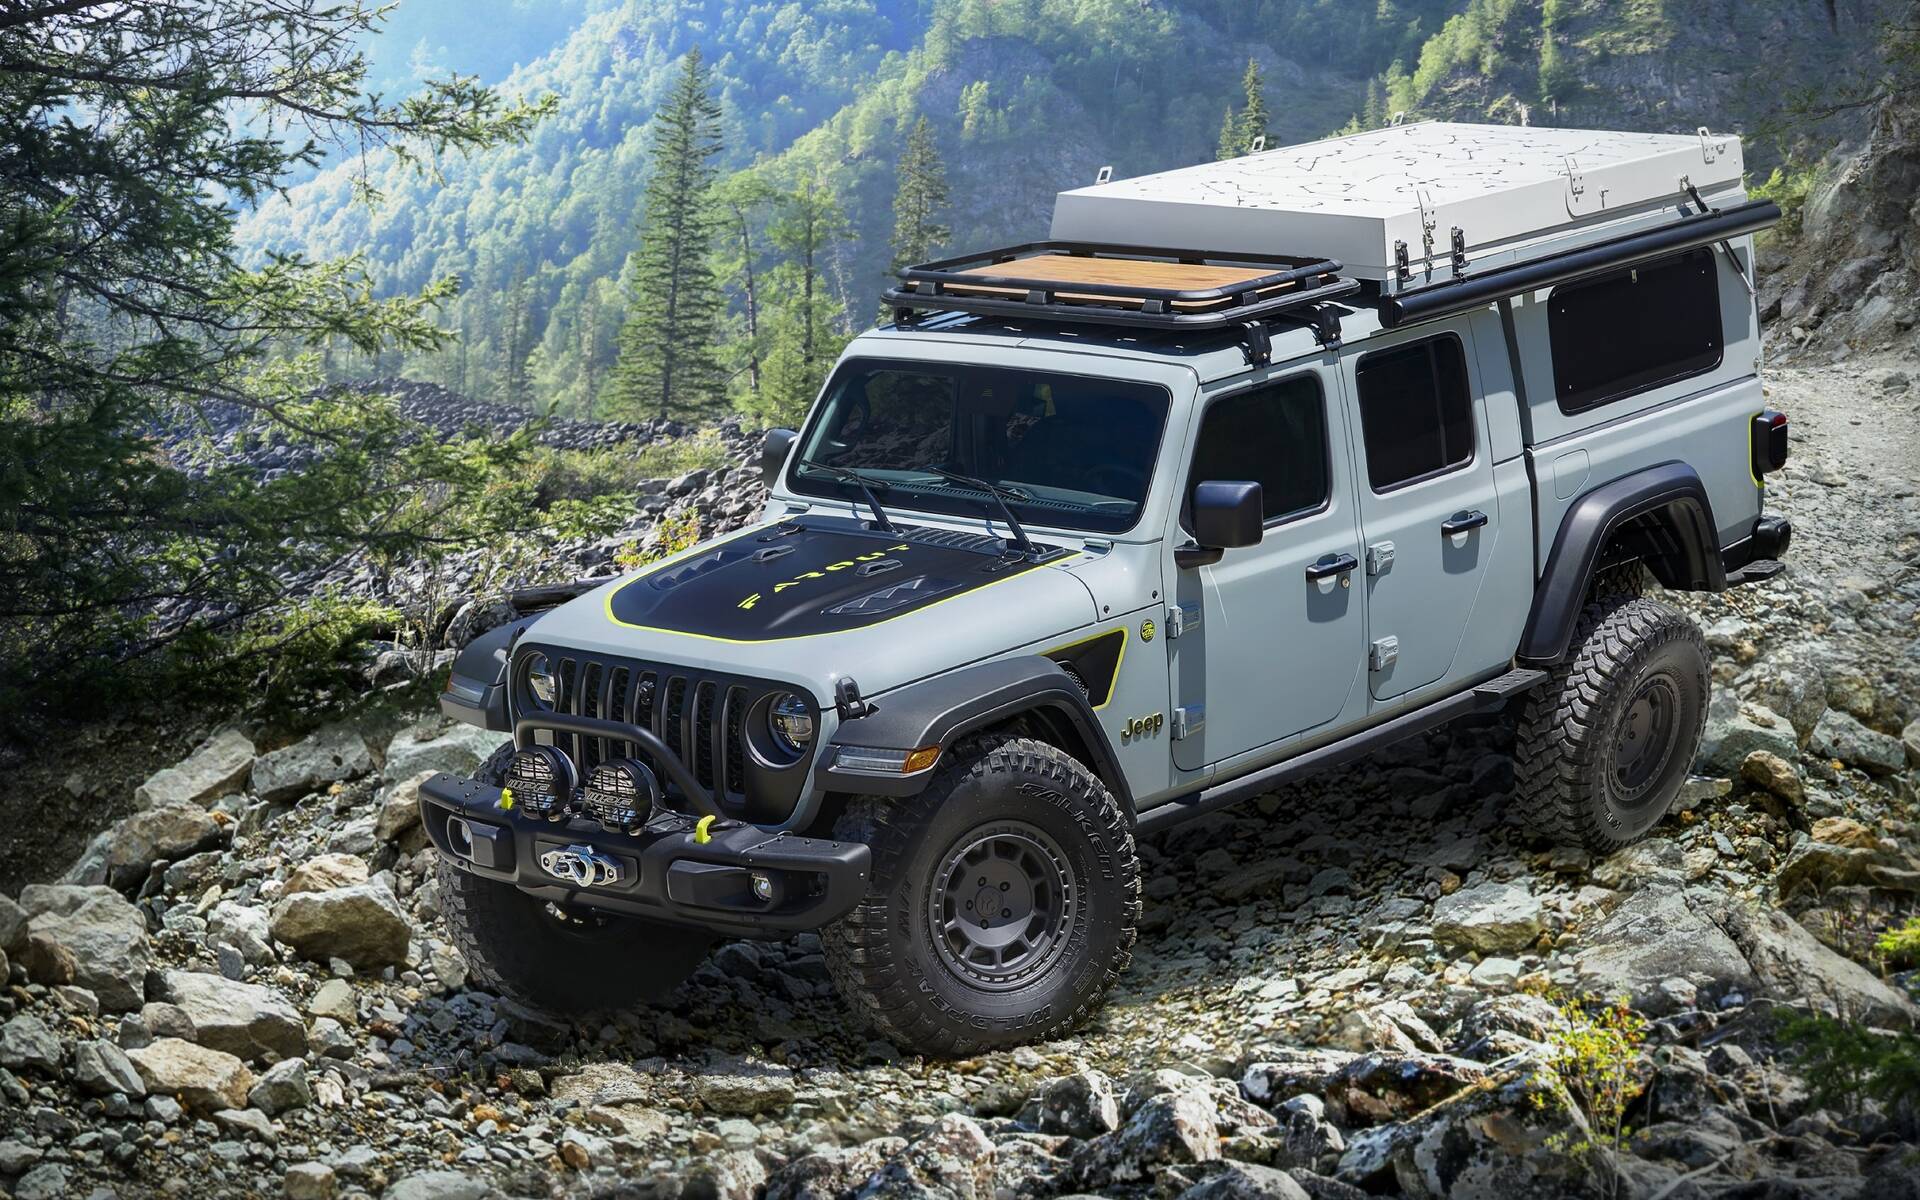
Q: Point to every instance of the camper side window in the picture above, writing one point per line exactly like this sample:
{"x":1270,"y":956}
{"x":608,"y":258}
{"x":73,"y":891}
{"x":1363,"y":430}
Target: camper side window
{"x":1634,"y":329}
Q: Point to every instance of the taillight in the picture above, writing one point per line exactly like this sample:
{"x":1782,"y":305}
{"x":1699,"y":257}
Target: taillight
{"x":1769,"y":442}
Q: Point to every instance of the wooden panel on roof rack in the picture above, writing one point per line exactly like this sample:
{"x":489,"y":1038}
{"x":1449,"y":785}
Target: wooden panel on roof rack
{"x":1052,"y":270}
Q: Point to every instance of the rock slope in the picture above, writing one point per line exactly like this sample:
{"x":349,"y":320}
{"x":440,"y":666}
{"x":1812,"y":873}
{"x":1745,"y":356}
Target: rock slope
{"x":243,"y":988}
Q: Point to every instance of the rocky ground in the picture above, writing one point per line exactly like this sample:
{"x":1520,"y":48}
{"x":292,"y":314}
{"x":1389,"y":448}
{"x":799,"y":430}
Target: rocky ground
{"x":243,"y":987}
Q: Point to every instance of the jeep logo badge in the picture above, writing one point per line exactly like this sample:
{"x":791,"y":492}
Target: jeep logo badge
{"x":582,"y":866}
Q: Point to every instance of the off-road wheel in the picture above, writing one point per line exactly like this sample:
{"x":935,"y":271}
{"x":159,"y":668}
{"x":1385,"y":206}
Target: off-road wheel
{"x":1607,"y":741}
{"x":555,"y":958}
{"x":1003,"y":904}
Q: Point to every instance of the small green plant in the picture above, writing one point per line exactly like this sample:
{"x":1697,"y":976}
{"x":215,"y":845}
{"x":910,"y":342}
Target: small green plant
{"x":1847,"y":1064}
{"x":677,"y":531}
{"x":1789,"y":187}
{"x":1899,"y":947}
{"x":1597,"y":1056}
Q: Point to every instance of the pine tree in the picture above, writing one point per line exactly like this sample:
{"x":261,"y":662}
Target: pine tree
{"x":922,"y":193}
{"x":1253,"y":118}
{"x":1229,"y":136}
{"x":805,"y":333}
{"x":668,"y":360}
{"x":1240,"y":130}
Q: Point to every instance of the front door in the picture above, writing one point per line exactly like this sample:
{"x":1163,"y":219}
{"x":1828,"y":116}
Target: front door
{"x":1426,"y":504}
{"x":1280,"y":638}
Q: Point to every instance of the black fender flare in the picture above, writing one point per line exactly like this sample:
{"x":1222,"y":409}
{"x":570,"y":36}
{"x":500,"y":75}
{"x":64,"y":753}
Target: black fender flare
{"x":1692,"y":562}
{"x":476,"y":691}
{"x":946,"y":708}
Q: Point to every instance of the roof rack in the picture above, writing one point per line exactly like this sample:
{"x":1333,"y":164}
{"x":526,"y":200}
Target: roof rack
{"x":1132,"y":286}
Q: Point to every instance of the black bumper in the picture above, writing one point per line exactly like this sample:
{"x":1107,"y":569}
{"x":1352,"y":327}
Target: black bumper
{"x":666,"y":873}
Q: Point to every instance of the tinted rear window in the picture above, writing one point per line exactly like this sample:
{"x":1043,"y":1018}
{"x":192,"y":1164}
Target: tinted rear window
{"x":1416,"y":415}
{"x":1637,"y":328}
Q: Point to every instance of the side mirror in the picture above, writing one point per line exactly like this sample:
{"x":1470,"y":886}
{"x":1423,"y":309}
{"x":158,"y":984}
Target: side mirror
{"x":1227,"y":515}
{"x":773,"y":454}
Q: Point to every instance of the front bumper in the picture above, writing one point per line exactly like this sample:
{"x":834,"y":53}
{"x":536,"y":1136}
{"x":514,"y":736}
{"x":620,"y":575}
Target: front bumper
{"x":665,"y":872}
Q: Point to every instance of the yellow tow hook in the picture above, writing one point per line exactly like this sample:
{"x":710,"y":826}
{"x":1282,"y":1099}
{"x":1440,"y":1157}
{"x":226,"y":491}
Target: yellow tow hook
{"x":505,"y":803}
{"x":700,"y":835}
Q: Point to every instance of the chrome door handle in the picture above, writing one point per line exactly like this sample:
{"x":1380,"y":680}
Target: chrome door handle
{"x":1462,"y":522}
{"x":1336,"y":565}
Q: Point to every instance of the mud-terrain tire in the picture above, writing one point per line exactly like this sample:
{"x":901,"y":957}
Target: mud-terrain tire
{"x":548,"y":958}
{"x":1607,"y":741}
{"x":1003,"y":817}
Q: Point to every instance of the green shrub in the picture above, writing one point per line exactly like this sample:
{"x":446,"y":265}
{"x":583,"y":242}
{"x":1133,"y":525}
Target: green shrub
{"x":1899,"y":947}
{"x":1847,"y":1064}
{"x":1789,"y":187}
{"x":1597,"y":1056}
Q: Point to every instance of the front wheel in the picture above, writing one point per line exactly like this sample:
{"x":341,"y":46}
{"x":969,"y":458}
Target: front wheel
{"x":1003,"y":903}
{"x":1607,"y":741}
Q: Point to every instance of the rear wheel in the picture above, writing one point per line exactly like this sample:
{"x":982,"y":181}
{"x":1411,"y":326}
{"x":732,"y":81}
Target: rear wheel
{"x":1003,"y":903}
{"x":1607,"y":741}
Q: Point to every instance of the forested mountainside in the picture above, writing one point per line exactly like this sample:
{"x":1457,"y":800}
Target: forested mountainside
{"x":1023,"y":97}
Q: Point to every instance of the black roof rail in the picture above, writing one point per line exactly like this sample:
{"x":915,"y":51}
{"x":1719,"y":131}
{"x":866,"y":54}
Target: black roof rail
{"x":1027,"y":282}
{"x":1499,"y":283}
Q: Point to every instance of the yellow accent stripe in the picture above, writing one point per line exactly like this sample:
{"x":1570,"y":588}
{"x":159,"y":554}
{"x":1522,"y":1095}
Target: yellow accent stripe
{"x":801,"y":637}
{"x":1113,"y":685}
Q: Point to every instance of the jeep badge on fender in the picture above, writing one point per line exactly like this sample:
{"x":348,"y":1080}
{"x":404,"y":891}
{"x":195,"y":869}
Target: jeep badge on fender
{"x":1112,"y":537}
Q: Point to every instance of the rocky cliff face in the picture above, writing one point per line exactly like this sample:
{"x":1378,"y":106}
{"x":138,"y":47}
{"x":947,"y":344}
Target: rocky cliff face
{"x":1851,"y":282}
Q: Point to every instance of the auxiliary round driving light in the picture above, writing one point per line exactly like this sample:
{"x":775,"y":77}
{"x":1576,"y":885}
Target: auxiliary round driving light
{"x":541,"y":781}
{"x":620,"y":794}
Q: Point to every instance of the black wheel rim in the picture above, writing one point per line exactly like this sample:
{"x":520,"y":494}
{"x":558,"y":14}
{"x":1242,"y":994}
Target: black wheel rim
{"x":1001,"y":906}
{"x":1647,"y":737}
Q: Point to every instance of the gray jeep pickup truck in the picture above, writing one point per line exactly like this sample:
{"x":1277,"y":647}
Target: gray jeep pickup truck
{"x":1094,"y":539}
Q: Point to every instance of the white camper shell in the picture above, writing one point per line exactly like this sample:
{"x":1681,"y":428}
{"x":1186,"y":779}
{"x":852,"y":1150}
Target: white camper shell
{"x":1414,"y":204}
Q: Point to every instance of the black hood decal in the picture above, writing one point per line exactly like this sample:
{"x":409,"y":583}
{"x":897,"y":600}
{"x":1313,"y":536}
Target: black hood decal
{"x":812,"y":576}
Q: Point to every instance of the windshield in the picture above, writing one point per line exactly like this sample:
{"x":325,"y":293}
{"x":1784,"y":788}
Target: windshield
{"x":1070,"y":451}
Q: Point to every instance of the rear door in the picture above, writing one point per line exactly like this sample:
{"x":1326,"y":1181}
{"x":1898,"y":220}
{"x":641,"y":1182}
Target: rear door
{"x":1426,"y":501}
{"x":1280,"y":634}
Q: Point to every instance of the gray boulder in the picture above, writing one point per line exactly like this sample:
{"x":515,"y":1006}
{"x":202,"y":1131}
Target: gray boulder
{"x":399,"y":817}
{"x":1173,"y":1127}
{"x":1841,"y":736}
{"x":1518,"y":1136}
{"x":430,"y":747}
{"x":1246,"y":1181}
{"x":1721,"y":944}
{"x":281,"y":1088}
{"x":217,"y":766}
{"x":242,"y":927}
{"x":102,"y":1068}
{"x":106,"y":936}
{"x":243,"y":1019}
{"x":326,"y":756}
{"x":836,"y":1171}
{"x":1384,"y":1086}
{"x":1488,"y":917}
{"x":1279,"y":1072}
{"x":27,"y":1044}
{"x":122,"y":854}
{"x":439,"y":1185}
{"x":362,"y":924}
{"x":1735,"y":730}
{"x":1081,"y":1105}
{"x":204,"y":1080}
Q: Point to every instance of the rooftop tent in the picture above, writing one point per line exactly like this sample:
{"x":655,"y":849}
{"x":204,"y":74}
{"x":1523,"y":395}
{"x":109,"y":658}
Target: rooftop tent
{"x":1386,"y":204}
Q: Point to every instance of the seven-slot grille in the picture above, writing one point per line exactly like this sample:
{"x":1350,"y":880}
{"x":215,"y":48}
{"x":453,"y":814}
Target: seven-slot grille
{"x":700,"y":717}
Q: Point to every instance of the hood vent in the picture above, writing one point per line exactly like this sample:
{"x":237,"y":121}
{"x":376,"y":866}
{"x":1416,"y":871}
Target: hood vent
{"x":908,"y":591}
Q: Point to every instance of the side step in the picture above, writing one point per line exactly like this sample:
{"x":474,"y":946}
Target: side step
{"x":1481,"y":698}
{"x":1502,"y":688}
{"x":1758,"y":570}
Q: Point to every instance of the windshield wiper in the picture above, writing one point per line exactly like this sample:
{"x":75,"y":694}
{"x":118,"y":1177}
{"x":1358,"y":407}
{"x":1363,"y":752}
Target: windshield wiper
{"x":866,"y":484}
{"x":1000,"y":493}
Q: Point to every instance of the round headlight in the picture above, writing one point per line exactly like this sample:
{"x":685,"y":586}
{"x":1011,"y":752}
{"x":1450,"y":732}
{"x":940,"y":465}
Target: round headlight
{"x":541,"y":681}
{"x":791,"y":721}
